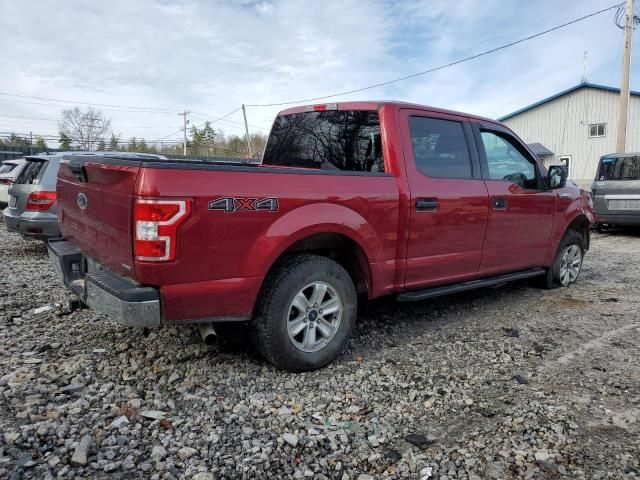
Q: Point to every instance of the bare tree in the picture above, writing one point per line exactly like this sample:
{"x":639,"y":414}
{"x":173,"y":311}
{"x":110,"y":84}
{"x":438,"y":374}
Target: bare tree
{"x":85,"y":127}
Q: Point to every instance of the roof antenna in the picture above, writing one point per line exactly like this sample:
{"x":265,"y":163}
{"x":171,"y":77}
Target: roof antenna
{"x":584,"y":68}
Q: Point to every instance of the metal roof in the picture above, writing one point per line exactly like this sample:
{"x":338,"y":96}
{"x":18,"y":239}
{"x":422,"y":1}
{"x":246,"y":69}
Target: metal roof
{"x":565,"y":92}
{"x":540,"y":150}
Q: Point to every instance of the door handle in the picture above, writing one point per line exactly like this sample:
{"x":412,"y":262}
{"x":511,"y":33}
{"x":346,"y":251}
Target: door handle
{"x":426,"y":204}
{"x":499,"y":203}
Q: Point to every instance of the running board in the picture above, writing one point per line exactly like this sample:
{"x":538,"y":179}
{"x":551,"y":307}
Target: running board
{"x":418,"y":295}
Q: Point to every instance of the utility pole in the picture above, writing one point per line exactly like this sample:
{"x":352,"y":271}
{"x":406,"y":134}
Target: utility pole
{"x":184,"y":116}
{"x":30,"y":143}
{"x":623,"y":105}
{"x":246,"y":129}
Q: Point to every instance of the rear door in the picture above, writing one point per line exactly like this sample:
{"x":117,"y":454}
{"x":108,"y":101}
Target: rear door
{"x":449,"y":201}
{"x":95,"y":204}
{"x":521,"y":211}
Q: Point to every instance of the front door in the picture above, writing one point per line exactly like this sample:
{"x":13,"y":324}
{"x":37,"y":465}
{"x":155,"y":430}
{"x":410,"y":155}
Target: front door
{"x":521,"y":210}
{"x":449,"y":201}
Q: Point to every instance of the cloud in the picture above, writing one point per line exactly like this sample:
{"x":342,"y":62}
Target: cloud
{"x":211,"y":56}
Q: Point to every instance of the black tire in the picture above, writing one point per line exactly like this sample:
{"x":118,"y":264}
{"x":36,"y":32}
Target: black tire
{"x":274,"y":308}
{"x":552,"y":277}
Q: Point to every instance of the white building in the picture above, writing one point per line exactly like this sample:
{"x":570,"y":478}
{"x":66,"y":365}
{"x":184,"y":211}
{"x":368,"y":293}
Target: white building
{"x":576,"y":127}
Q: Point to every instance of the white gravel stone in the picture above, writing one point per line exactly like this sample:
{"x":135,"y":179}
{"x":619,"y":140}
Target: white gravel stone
{"x":158,"y":452}
{"x":119,"y":422}
{"x":81,"y":453}
{"x":187,"y":452}
{"x":291,"y":439}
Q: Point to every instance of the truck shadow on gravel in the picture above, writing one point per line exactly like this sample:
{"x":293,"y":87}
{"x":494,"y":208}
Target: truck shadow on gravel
{"x":386,"y":322}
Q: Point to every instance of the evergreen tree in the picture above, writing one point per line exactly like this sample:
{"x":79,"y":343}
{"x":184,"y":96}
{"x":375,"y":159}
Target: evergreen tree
{"x":113,"y":142}
{"x":64,"y":141}
{"x":41,"y":145}
{"x":18,"y":140}
{"x":133,"y":145}
{"x":102,"y":146}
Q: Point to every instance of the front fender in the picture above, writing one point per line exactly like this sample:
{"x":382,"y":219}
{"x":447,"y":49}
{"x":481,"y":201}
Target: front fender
{"x":306,"y":221}
{"x":579,"y":207}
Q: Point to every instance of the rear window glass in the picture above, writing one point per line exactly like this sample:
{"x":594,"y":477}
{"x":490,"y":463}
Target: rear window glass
{"x":339,"y":140}
{"x":623,"y":168}
{"x":32,"y":172}
{"x":7,"y":167}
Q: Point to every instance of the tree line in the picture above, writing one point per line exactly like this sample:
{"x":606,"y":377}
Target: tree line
{"x":90,"y":129}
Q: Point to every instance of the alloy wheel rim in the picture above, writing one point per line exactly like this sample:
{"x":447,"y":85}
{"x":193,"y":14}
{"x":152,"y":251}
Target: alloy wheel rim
{"x":570,"y":264}
{"x":314,"y":316}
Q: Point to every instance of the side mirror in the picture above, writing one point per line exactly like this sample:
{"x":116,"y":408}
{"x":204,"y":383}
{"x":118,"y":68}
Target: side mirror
{"x":557,"y":176}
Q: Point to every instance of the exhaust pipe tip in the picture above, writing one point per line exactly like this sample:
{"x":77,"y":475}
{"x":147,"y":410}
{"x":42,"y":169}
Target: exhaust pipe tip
{"x":208,"y":334}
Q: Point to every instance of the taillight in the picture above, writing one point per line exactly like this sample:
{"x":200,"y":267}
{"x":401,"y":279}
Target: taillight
{"x":155,"y":227}
{"x":41,"y":200}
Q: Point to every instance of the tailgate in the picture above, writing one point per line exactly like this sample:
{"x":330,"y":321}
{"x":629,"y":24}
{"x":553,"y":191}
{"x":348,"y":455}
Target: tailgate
{"x":95,"y":203}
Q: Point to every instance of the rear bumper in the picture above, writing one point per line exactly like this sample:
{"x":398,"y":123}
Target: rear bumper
{"x":617,"y":219}
{"x":104,"y":290}
{"x":32,"y":224}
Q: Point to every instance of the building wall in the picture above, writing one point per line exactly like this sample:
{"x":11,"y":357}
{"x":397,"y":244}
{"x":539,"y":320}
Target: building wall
{"x":562,"y":126}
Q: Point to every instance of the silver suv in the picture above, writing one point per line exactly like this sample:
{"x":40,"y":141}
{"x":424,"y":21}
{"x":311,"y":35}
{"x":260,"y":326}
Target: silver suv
{"x":32,"y":209}
{"x":616,"y":190}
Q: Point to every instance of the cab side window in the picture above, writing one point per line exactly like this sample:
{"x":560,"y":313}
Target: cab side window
{"x":440,"y":148}
{"x":506,"y":161}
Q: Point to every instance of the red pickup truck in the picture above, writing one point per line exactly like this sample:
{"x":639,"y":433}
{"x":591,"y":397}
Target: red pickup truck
{"x":352,"y":200}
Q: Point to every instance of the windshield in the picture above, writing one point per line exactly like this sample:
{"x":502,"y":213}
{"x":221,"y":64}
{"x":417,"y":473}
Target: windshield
{"x":619,"y":168}
{"x":329,"y":140}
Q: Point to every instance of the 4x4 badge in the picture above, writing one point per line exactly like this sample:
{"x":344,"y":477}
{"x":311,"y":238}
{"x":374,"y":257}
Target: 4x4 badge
{"x":242,"y":204}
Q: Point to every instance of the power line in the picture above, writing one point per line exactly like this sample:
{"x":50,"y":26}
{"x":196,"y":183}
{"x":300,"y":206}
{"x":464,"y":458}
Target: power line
{"x":441,"y":67}
{"x":231,"y":122}
{"x":198,"y":126}
{"x":54,"y":120}
{"x":103,"y":109}
{"x":87,"y":103}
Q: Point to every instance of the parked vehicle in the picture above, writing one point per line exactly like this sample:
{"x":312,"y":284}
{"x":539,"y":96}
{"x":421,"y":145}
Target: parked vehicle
{"x":354,"y":198}
{"x":32,"y":209}
{"x":616,"y":190}
{"x":9,"y":169}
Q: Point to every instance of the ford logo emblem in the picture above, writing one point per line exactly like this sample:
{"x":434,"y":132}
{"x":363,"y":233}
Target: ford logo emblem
{"x":82,"y":201}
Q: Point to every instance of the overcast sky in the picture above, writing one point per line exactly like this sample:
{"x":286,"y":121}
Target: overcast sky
{"x":210,"y":56}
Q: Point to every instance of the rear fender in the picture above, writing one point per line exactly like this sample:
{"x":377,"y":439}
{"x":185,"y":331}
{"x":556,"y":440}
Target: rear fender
{"x":306,"y":221}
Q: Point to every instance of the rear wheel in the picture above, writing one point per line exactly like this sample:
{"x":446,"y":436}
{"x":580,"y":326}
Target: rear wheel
{"x":567,"y":263}
{"x":306,"y":312}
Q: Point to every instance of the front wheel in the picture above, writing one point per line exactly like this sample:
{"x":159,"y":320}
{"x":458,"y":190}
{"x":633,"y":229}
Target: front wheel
{"x":567,"y":263}
{"x":306,"y":313}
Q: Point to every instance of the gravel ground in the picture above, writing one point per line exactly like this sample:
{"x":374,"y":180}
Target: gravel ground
{"x":499,"y":383}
